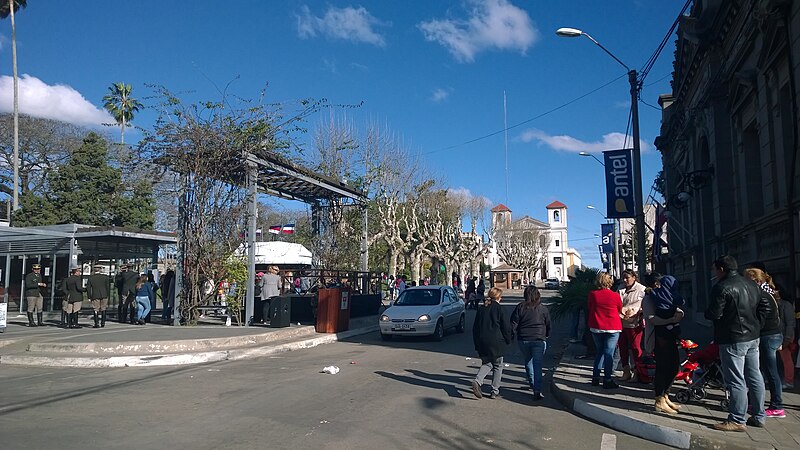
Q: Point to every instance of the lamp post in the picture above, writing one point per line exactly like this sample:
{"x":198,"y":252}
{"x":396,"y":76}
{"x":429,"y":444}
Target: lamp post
{"x":595,"y":158}
{"x":633,"y":79}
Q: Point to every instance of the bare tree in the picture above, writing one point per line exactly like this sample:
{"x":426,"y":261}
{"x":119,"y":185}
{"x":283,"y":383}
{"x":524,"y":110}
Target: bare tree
{"x":523,"y":248}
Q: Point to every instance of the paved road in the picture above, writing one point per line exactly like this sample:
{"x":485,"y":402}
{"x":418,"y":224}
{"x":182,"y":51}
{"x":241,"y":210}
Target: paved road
{"x":408,"y":393}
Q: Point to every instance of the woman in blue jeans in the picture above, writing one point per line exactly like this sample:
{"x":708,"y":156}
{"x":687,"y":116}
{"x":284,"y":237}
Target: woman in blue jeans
{"x":530,"y":321}
{"x":145,"y":296}
{"x":771,"y":338}
{"x":604,"y":317}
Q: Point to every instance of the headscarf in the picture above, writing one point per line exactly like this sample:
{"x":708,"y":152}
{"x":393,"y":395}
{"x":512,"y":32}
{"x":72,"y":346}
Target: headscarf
{"x":668,"y":291}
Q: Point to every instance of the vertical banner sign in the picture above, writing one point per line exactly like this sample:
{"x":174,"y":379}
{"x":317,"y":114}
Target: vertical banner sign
{"x":607,"y":237}
{"x":619,"y":184}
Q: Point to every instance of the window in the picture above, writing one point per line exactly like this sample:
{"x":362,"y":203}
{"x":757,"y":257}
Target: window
{"x":557,"y":242}
{"x":556,"y":216}
{"x":556,"y":260}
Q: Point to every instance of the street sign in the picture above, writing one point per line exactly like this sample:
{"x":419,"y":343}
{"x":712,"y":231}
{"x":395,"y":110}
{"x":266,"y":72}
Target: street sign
{"x":619,"y":184}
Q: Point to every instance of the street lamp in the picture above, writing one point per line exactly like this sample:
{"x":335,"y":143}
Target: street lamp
{"x":596,"y":210}
{"x":633,"y":79}
{"x":595,"y":158}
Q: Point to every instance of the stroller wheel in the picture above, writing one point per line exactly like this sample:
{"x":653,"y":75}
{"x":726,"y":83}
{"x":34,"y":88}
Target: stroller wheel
{"x":682,"y":396}
{"x":724,"y":404}
{"x":699,"y":394}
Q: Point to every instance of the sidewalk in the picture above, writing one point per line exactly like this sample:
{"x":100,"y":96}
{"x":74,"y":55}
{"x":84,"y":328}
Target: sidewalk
{"x":630,"y":409}
{"x":124,"y":345}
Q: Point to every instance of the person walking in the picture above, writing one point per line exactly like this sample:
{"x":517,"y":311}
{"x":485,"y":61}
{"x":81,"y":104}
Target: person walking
{"x":144,"y":298}
{"x":33,"y":295}
{"x":530,"y":323}
{"x":770,"y":341}
{"x":270,"y":287}
{"x":630,"y":340}
{"x":167,"y":295}
{"x":97,"y":291}
{"x":125,"y":281}
{"x":662,"y":313}
{"x":470,"y":294}
{"x":788,"y":323}
{"x":151,"y":279}
{"x":73,"y":291}
{"x":735,"y":306}
{"x":491,"y":335}
{"x":604,"y":310}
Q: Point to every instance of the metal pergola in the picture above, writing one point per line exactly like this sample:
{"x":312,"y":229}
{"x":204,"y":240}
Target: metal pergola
{"x":275,"y":175}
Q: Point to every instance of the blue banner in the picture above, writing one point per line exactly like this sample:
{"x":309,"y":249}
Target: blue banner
{"x":619,"y":184}
{"x":607,"y":237}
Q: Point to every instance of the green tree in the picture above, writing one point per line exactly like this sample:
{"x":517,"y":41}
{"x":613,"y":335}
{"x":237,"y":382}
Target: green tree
{"x":137,"y":209}
{"x":8,"y":9}
{"x":119,"y":103}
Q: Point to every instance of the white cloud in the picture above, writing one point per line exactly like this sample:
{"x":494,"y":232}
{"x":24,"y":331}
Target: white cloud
{"x":464,"y":195}
{"x":610,"y":141}
{"x":350,"y":24}
{"x":57,"y":102}
{"x":439,"y":95}
{"x":492,"y":24}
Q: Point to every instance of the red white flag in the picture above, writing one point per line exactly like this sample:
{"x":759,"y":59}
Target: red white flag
{"x":288,"y":228}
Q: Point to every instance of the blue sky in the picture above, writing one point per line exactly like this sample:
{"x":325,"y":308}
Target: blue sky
{"x":434,"y":71}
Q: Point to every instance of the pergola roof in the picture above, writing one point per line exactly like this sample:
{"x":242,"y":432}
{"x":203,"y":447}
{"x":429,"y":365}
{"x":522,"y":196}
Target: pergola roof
{"x":280,"y":177}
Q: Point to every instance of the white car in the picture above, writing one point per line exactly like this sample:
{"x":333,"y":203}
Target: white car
{"x":424,"y":310}
{"x":552,"y":283}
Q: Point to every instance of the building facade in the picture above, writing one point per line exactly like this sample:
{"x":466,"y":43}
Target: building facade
{"x":729,"y":141}
{"x":557,"y":259}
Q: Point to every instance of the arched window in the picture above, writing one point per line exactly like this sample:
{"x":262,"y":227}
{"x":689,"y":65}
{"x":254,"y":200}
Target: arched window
{"x":556,"y":216}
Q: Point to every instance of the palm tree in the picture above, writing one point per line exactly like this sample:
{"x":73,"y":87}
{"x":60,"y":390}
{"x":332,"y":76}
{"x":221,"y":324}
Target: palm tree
{"x":8,"y":9}
{"x":120,"y":104}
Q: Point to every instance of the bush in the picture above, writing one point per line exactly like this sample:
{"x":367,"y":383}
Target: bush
{"x":572,"y":296}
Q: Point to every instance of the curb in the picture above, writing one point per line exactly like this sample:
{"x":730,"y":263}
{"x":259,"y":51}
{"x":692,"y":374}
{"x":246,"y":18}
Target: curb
{"x":650,"y":431}
{"x":178,"y":359}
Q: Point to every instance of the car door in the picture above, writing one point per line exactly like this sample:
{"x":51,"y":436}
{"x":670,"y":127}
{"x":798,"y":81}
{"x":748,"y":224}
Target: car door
{"x":452,"y":307}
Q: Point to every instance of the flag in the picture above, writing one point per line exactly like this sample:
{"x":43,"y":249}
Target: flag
{"x":275,"y":229}
{"x":288,"y":228}
{"x":658,"y":231}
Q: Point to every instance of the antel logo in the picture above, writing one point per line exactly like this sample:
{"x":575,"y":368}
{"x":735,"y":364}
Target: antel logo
{"x":619,"y":183}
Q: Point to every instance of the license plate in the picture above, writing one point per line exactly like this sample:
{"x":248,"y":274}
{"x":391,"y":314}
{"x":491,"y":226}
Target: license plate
{"x":403,"y":326}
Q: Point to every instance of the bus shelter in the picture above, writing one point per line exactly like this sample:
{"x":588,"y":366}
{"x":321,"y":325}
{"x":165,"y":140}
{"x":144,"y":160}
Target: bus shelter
{"x":59,"y":248}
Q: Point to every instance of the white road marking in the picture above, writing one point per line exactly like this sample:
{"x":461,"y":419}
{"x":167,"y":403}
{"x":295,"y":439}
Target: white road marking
{"x":608,"y":442}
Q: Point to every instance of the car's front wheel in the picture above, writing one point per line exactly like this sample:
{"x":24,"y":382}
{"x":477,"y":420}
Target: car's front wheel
{"x":438,"y":332}
{"x":462,"y":324}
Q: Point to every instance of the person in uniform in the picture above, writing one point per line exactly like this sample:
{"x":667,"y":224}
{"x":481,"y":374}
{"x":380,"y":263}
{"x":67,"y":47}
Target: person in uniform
{"x":125,"y":281}
{"x":33,"y":294}
{"x":73,"y":290}
{"x":97,"y":291}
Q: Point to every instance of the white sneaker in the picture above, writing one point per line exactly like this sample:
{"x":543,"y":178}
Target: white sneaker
{"x":786,"y":385}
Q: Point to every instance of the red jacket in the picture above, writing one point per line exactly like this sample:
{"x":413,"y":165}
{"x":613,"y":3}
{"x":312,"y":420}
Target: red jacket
{"x":603,"y":309}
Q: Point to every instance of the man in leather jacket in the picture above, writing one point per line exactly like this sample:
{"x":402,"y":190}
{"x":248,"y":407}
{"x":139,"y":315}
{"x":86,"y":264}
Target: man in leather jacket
{"x":738,"y":309}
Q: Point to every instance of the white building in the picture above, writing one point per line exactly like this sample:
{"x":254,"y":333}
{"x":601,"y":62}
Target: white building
{"x":560,"y":261}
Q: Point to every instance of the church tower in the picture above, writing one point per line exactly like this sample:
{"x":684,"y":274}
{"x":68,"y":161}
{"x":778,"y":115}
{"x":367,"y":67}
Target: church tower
{"x":501,"y":217}
{"x":557,"y":251}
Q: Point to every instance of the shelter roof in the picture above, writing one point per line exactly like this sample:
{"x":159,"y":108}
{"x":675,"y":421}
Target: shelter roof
{"x":505,"y":268}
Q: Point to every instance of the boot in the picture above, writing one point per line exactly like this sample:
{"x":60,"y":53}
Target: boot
{"x":39,"y":319}
{"x":75,"y":320}
{"x":64,"y":321}
{"x":96,"y":320}
{"x":626,"y":373}
{"x":30,"y":320}
{"x":662,"y":406}
{"x":122,"y":312}
{"x":133,"y":320}
{"x":674,"y":406}
{"x":102,"y":319}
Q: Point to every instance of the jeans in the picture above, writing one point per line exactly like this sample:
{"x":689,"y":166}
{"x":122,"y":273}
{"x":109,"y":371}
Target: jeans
{"x":605,"y":344}
{"x":768,"y":349}
{"x":496,"y":367}
{"x":533,"y":352}
{"x":740,"y":370}
{"x":143,"y":307}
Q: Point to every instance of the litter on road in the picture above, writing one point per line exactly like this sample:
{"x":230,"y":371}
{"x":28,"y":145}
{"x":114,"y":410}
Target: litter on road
{"x":333,"y":370}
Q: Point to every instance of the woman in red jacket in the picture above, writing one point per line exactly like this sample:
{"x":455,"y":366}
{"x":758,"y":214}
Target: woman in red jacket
{"x":604,"y":309}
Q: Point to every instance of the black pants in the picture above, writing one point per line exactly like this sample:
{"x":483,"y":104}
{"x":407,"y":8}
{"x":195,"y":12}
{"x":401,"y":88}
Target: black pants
{"x":667,"y":364}
{"x":258,"y":312}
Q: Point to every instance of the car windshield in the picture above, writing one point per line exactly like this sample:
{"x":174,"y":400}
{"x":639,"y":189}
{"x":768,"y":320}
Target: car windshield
{"x":419,"y":297}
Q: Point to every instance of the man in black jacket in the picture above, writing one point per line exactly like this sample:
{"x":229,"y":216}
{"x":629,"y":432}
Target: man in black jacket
{"x":33,"y":294}
{"x":737,"y":310}
{"x":125,"y":281}
{"x":97,"y":291}
{"x":73,"y":290}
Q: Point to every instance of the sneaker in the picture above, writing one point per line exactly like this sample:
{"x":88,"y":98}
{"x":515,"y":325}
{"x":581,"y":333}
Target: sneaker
{"x":494,"y":395}
{"x":752,"y":422}
{"x":788,"y":385}
{"x":476,"y":389}
{"x":730,"y":426}
{"x":610,"y":384}
{"x":778,"y":413}
{"x":537,"y":396}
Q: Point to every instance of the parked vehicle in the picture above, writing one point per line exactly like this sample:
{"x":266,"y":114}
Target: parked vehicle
{"x":552,"y":283}
{"x":424,"y":310}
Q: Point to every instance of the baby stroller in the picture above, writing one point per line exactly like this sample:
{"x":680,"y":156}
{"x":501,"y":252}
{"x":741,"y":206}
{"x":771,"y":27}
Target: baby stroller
{"x":702,"y":371}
